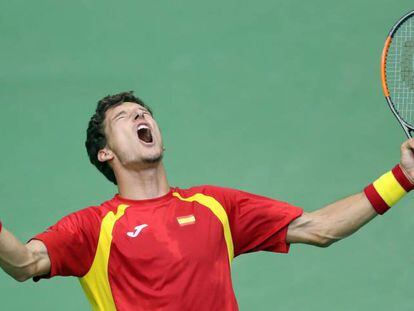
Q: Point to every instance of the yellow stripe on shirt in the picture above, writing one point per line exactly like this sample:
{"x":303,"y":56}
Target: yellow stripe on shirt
{"x":96,"y":282}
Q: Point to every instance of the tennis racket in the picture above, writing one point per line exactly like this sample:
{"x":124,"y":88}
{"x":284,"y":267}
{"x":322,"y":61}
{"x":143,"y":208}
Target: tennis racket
{"x":397,"y":72}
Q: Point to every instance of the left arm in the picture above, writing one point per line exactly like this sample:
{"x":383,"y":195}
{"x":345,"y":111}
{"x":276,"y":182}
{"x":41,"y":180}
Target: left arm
{"x":344,"y":217}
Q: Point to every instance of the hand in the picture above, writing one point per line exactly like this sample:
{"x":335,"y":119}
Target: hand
{"x":407,"y":159}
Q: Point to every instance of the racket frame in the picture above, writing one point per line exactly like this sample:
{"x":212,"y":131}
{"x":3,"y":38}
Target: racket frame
{"x":406,"y":127}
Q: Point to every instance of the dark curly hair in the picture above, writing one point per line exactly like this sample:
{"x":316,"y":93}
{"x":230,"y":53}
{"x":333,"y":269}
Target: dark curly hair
{"x":95,"y":134}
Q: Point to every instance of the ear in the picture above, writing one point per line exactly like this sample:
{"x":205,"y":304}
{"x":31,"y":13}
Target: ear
{"x":105,"y":154}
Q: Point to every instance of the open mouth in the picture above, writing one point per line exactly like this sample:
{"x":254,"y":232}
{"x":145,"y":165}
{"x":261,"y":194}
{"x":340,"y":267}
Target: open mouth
{"x":144,"y":134}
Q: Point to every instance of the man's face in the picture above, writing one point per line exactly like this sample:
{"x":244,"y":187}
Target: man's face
{"x":133,"y":136}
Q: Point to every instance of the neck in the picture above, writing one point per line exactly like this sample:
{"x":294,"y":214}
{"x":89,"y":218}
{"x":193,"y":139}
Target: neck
{"x":143,"y":183}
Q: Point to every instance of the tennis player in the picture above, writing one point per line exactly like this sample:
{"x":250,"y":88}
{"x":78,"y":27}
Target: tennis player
{"x":157,"y":247}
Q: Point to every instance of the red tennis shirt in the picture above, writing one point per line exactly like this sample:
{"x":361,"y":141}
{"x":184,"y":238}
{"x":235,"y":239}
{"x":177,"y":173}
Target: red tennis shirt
{"x":169,"y":253}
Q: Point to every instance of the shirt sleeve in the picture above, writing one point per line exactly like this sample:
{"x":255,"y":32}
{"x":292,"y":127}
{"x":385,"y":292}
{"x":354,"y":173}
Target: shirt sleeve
{"x":71,"y":244}
{"x":257,"y":223}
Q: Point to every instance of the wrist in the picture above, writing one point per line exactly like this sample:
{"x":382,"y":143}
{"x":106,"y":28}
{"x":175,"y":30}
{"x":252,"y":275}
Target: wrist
{"x":1,"y":226}
{"x":388,"y":189}
{"x":406,"y":174}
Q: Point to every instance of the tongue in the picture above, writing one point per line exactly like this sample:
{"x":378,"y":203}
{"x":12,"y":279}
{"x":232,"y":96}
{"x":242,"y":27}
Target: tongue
{"x":145,"y":135}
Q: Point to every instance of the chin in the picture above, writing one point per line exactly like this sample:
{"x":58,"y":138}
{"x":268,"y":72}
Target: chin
{"x":153,"y":159}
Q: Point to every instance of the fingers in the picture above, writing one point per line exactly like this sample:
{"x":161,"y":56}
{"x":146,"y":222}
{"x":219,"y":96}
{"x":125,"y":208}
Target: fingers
{"x":408,"y":144}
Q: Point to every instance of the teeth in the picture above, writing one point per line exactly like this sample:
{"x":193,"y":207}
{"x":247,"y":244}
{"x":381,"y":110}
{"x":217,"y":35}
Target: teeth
{"x":142,"y":126}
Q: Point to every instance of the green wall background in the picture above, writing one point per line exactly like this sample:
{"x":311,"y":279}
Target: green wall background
{"x":280,"y":98}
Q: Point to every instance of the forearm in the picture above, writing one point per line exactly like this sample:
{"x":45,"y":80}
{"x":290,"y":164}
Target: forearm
{"x":16,"y":259}
{"x":344,"y":217}
{"x":332,"y":222}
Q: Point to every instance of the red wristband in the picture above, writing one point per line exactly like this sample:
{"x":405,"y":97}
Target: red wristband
{"x":375,"y":199}
{"x":1,"y":226}
{"x":402,"y":179}
{"x":388,"y":189}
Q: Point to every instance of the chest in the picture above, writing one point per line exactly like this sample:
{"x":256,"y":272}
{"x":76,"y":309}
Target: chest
{"x":167,"y":234}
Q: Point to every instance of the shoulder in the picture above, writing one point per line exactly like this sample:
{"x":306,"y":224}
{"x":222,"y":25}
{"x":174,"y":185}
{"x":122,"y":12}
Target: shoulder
{"x":88,"y":216}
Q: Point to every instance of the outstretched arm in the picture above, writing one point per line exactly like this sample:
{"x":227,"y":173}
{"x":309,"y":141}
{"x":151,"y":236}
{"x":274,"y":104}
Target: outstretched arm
{"x":21,"y":261}
{"x":331,"y":223}
{"x":344,"y":217}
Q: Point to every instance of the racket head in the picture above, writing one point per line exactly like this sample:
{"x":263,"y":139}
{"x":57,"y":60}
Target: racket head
{"x":397,"y":71}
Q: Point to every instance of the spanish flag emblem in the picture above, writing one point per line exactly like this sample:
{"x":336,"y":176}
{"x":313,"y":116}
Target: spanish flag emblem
{"x":186,"y":220}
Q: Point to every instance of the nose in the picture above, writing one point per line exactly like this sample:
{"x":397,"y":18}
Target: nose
{"x":139,"y":115}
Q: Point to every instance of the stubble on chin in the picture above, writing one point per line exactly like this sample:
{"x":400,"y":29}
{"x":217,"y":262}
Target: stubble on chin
{"x":153,"y":159}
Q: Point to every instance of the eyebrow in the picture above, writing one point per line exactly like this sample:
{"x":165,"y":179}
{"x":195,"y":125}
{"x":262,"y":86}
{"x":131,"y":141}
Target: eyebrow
{"x":143,"y":109}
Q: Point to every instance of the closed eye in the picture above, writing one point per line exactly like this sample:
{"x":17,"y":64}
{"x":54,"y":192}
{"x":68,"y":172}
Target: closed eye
{"x":119,"y":116}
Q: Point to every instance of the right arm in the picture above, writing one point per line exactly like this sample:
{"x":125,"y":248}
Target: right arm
{"x":21,"y":261}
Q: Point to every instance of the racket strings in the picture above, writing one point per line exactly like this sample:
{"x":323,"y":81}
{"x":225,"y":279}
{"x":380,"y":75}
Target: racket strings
{"x":400,"y":71}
